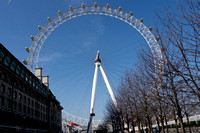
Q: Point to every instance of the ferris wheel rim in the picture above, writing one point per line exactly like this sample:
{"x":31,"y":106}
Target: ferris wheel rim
{"x":81,"y":121}
{"x":61,"y":18}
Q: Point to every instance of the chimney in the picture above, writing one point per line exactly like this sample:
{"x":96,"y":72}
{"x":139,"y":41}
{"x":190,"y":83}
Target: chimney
{"x":38,"y":73}
{"x":45,"y":80}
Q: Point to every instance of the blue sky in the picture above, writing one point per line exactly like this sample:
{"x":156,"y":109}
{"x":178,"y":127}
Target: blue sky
{"x":68,"y":53}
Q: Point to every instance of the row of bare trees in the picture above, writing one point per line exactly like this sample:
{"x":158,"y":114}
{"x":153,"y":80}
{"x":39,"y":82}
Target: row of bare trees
{"x":148,"y":96}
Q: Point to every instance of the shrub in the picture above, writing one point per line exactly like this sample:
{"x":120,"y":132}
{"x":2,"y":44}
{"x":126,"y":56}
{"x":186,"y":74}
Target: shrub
{"x":193,"y":124}
{"x":198,"y":123}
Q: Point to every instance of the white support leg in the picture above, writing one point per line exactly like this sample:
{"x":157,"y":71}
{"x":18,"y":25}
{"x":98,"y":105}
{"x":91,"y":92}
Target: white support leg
{"x":94,"y":89}
{"x":89,"y":130}
{"x":109,"y":87}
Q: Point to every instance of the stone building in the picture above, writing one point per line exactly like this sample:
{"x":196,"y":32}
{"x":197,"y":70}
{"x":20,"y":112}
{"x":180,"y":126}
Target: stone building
{"x":26,"y":102}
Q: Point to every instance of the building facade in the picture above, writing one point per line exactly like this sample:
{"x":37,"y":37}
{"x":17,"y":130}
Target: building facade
{"x":26,"y":103}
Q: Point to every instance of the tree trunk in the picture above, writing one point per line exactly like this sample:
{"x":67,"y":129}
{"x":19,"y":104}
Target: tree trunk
{"x":139,"y":128}
{"x":181,"y":123}
{"x":158,"y":123}
{"x":113,"y":126}
{"x":180,"y":117}
{"x":127,"y":122}
{"x":133,"y":125}
{"x":176,"y":125}
{"x":165,"y":114}
{"x":166,"y":122}
{"x":146,"y":126}
{"x":178,"y":108}
{"x":188,"y":122}
{"x":162,"y":123}
{"x":149,"y":124}
{"x":120,"y":124}
{"x":161,"y":113}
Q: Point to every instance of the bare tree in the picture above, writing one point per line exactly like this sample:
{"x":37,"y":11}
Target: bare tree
{"x":152,"y":97}
{"x":179,"y":32}
{"x":113,"y":117}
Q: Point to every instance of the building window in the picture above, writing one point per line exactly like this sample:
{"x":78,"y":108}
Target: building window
{"x":2,"y":76}
{"x":28,"y":110}
{"x":36,"y":105}
{"x":30,"y":80}
{"x":24,"y":108}
{"x":19,"y":107}
{"x":17,"y":70}
{"x":8,"y":80}
{"x":26,"y":77}
{"x":14,"y":105}
{"x":13,"y":65}
{"x":29,"y":101}
{"x":9,"y":91}
{"x":7,"y":60}
{"x":33,"y":82}
{"x":20,"y":97}
{"x":22,"y":74}
{"x":32,"y":103}
{"x":43,"y":109}
{"x":2,"y":88}
{"x":1,"y":101}
{"x":1,"y":55}
{"x":36,"y":113}
{"x":14,"y":94}
{"x":24,"y":99}
{"x":32,"y":111}
{"x":8,"y":103}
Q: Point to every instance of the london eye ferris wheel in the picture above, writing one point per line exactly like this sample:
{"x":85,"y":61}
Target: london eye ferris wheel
{"x":66,"y":48}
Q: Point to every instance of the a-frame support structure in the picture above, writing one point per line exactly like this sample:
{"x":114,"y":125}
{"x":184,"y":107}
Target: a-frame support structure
{"x":98,"y":65}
